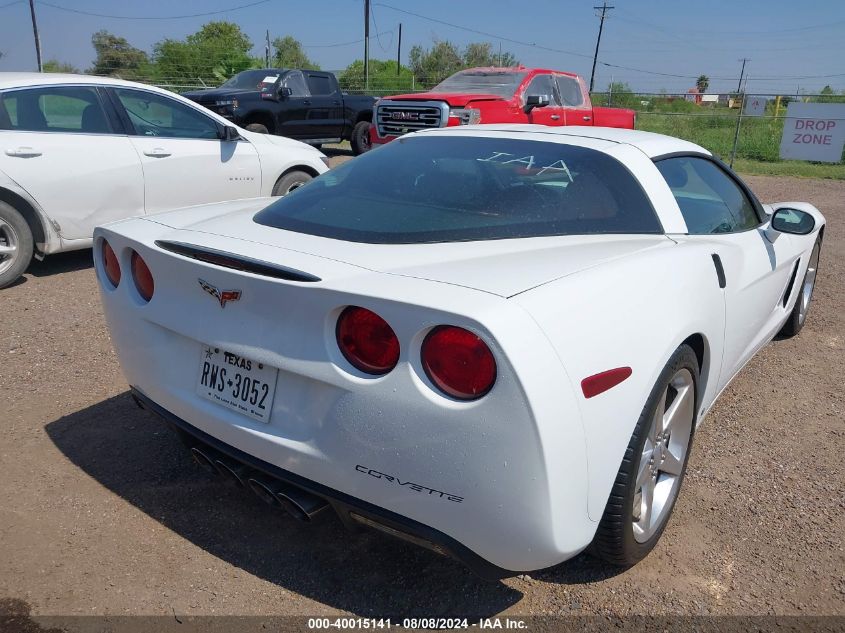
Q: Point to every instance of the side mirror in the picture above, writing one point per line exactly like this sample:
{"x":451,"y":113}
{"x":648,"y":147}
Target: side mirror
{"x":793,"y":221}
{"x":536,"y":101}
{"x":285,"y":92}
{"x":230,"y":133}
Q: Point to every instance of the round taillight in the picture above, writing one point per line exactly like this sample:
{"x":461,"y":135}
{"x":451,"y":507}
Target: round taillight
{"x":143,"y":277}
{"x":367,"y":341}
{"x":111,"y":266}
{"x":458,"y":362}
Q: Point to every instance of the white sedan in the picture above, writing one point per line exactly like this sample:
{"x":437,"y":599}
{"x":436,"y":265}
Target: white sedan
{"x":493,"y":341}
{"x":77,"y":151}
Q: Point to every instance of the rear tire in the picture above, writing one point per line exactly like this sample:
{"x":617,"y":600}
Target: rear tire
{"x":361,"y":138}
{"x":653,"y":468}
{"x":798,"y":316}
{"x":290,"y":181}
{"x":257,"y":127}
{"x":16,"y":245}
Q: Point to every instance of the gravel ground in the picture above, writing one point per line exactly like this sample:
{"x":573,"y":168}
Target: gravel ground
{"x":101,"y":511}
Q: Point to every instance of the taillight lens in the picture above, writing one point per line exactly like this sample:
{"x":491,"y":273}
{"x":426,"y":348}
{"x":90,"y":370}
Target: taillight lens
{"x":458,"y":362}
{"x":143,"y":277}
{"x":367,"y":341}
{"x":111,"y":266}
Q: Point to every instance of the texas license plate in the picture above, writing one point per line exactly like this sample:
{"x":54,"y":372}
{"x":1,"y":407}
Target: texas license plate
{"x":239,"y":383}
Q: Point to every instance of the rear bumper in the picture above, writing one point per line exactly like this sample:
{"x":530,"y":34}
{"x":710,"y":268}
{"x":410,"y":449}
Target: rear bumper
{"x":343,"y":504}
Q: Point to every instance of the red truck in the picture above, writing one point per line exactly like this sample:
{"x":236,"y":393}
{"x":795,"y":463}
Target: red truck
{"x":495,"y":95}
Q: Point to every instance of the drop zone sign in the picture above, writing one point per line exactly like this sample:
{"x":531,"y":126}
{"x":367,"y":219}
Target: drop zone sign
{"x":814,"y":131}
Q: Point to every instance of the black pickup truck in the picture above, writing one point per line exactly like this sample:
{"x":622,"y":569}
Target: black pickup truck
{"x":307,"y":105}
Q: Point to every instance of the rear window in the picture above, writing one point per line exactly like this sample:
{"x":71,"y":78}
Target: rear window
{"x":498,"y":82}
{"x":457,"y":188}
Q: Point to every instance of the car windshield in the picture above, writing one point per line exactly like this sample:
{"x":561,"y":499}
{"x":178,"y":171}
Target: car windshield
{"x":449,"y":188}
{"x":497,"y":82}
{"x":251,"y":79}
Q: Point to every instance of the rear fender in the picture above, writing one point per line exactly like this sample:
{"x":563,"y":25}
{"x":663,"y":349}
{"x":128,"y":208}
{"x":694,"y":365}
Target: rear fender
{"x":633,"y":312}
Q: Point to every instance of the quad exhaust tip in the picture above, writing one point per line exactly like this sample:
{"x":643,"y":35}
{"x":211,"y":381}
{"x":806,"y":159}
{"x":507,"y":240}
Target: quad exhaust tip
{"x":301,"y":505}
{"x":298,"y":503}
{"x":204,"y":460}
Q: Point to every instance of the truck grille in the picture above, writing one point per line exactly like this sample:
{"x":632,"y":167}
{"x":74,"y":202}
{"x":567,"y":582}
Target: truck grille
{"x":394,"y":118}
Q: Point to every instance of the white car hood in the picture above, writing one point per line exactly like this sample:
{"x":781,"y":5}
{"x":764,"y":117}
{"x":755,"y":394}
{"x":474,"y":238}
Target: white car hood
{"x":501,"y":267}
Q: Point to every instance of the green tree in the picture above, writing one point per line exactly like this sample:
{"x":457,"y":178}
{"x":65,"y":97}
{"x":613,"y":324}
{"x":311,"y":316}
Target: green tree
{"x":383,"y":77}
{"x":431,"y":66}
{"x":288,"y":53}
{"x":483,"y":54}
{"x":117,"y":58}
{"x":828,"y":95}
{"x":213,"y":54}
{"x":702,"y":83}
{"x":55,"y":66}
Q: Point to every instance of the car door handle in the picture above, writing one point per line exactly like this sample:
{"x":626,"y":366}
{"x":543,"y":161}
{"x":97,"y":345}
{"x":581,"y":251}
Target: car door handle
{"x":555,"y":117}
{"x":306,"y":102}
{"x":587,"y":118}
{"x":23,"y":152}
{"x":156,"y":152}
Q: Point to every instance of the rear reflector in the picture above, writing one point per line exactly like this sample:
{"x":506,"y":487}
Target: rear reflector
{"x":599,"y":383}
{"x":143,"y":277}
{"x":367,"y":341}
{"x":458,"y":362}
{"x":111,"y":266}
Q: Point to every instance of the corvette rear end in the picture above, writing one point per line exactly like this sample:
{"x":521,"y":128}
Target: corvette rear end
{"x":287,"y":374}
{"x":500,"y":352}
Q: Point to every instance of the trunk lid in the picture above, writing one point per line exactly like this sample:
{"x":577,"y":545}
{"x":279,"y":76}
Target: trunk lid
{"x":500,"y":267}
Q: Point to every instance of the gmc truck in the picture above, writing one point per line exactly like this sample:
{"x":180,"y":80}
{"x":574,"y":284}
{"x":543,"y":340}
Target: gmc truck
{"x":495,"y":95}
{"x":307,"y":105}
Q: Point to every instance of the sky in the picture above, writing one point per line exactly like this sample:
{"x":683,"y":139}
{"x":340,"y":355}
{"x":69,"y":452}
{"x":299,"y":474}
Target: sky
{"x":791,"y":46}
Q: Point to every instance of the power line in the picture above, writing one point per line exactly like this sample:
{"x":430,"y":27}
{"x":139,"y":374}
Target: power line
{"x":711,"y":32}
{"x":3,"y":6}
{"x":163,"y":17}
{"x":484,"y":33}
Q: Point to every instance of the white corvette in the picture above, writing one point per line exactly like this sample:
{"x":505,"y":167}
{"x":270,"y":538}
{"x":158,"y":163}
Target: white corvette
{"x":77,"y":151}
{"x":493,"y":341}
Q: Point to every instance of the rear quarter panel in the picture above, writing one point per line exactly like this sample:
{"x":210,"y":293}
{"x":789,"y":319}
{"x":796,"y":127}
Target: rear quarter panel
{"x":632,"y":312}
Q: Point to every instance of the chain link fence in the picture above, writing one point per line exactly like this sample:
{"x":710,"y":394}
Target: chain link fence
{"x":707,"y":120}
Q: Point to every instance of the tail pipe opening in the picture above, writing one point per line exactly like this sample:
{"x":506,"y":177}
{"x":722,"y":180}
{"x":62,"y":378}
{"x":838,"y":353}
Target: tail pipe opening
{"x":301,"y":505}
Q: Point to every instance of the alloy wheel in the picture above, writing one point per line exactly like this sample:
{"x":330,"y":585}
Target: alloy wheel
{"x":8,"y":245}
{"x":809,"y":284}
{"x":664,"y":453}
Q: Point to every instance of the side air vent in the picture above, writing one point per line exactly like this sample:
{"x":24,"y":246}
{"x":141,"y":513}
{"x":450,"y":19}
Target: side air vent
{"x":236,"y":262}
{"x":791,"y":283}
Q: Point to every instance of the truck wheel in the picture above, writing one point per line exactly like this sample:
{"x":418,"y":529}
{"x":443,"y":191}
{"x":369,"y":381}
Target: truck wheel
{"x":258,"y":127}
{"x":290,"y":181}
{"x":16,"y":245}
{"x":361,"y":138}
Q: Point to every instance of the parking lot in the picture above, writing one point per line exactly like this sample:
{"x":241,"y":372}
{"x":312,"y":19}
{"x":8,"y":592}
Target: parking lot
{"x":103,"y":512}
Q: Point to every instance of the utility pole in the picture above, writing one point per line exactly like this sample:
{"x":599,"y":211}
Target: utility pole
{"x":267,"y":49}
{"x":738,"y":122}
{"x":604,"y":8}
{"x":399,"y":51}
{"x":35,"y":32}
{"x":741,"y":73}
{"x":367,"y":45}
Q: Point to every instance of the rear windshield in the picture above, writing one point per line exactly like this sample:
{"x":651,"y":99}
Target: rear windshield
{"x":498,"y":82}
{"x":251,"y":79}
{"x":457,"y":188}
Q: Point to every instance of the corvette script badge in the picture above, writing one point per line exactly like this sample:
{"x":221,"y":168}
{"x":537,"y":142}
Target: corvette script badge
{"x":224,"y":296}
